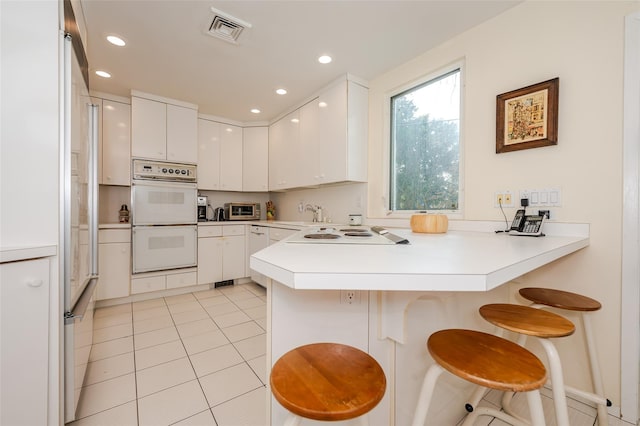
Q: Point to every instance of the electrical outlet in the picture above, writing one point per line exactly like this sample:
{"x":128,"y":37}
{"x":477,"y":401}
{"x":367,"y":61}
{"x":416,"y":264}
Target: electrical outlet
{"x":349,"y":297}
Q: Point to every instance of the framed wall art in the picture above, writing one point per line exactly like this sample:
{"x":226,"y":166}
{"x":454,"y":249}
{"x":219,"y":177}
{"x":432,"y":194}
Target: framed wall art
{"x":528,"y":117}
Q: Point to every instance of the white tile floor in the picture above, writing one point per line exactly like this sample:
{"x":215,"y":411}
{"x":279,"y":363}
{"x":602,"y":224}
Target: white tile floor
{"x":199,"y":359}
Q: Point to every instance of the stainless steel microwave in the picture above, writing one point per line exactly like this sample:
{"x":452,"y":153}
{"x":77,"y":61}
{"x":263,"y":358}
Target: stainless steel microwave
{"x":242,"y":211}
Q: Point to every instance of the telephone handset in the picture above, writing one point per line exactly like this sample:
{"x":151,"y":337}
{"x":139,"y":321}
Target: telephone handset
{"x":527,"y":225}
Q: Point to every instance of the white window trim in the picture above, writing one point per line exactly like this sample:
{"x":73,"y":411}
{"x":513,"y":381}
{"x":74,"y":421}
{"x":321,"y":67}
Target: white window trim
{"x":386,"y":149}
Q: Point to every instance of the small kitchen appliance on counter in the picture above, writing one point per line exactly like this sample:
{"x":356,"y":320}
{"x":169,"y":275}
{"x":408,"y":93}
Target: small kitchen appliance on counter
{"x":202,"y":208}
{"x":219,"y":214}
{"x":242,"y":211}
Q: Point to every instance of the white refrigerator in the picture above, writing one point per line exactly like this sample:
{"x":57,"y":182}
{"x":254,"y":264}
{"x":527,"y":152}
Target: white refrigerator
{"x":79,"y":201}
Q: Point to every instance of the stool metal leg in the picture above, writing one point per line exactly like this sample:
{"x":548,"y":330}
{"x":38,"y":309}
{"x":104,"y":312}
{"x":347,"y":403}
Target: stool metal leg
{"x":293,"y":420}
{"x":559,"y":397}
{"x":596,"y":376}
{"x":424,"y":399}
{"x":535,"y":407}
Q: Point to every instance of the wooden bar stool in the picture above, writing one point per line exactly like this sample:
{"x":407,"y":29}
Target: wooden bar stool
{"x":547,"y":297}
{"x":544,"y":325}
{"x":328,"y":382}
{"x":486,"y":360}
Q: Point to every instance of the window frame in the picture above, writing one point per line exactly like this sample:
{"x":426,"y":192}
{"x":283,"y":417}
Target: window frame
{"x":387,"y":157}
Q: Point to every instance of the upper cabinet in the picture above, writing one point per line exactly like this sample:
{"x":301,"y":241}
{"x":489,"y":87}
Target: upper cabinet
{"x":162,"y":130}
{"x":114,"y":151}
{"x":255,"y":159}
{"x":327,"y":138}
{"x":220,"y":156}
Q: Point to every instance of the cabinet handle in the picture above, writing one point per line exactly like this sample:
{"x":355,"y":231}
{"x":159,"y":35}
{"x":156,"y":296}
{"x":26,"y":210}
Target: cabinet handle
{"x":35,"y":283}
{"x":108,"y":177}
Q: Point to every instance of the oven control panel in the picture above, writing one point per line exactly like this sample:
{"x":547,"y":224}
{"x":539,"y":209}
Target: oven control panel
{"x":159,"y":170}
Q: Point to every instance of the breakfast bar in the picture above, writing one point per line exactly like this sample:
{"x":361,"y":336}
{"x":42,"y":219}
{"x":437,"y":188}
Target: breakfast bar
{"x":387,"y":298}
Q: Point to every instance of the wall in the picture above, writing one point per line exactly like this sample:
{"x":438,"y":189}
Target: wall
{"x":582,"y":44}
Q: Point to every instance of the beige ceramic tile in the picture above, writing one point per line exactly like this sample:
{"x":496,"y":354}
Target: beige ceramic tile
{"x":145,"y":314}
{"x":105,"y":395}
{"x":222,"y":308}
{"x":207,"y":294}
{"x":219,"y":299}
{"x":252,"y":347}
{"x":191,"y":305}
{"x":250,"y":302}
{"x":242,"y":331}
{"x":229,"y":383}
{"x":204,"y":418}
{"x":256,"y":313}
{"x":148,"y":304}
{"x":164,"y":376}
{"x":196,"y":327}
{"x":109,"y":368}
{"x":111,"y":348}
{"x":205,"y":341}
{"x":259,"y":366}
{"x":213,"y":360}
{"x":122,"y":415}
{"x":189,"y":316}
{"x":111,"y":320}
{"x":155,"y":355}
{"x":233,"y":318}
{"x":155,"y":337}
{"x":112,"y":333}
{"x":151,"y":324}
{"x":171,"y":405}
{"x":181,"y":298}
{"x":246,"y":410}
{"x":112,"y":310}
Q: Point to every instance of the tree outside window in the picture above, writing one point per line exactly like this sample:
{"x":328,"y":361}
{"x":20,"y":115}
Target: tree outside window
{"x":425,"y":146}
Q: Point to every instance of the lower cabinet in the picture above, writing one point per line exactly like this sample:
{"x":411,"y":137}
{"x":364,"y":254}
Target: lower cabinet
{"x":221,"y":253}
{"x":24,"y":340}
{"x":114,"y":263}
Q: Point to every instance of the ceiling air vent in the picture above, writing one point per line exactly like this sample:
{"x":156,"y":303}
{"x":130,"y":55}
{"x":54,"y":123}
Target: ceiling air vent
{"x":226,"y":27}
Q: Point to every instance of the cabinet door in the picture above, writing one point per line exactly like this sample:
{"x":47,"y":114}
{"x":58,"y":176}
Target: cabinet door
{"x":209,"y":260}
{"x":98,"y":102}
{"x":116,"y":143}
{"x":276,"y":155}
{"x":234,"y":258}
{"x":230,"y":158}
{"x":309,"y":172}
{"x":115,"y":264}
{"x":255,"y":159}
{"x":182,"y":134}
{"x":148,"y":129}
{"x":284,"y":152}
{"x":24,"y":337}
{"x":208,"y":155}
{"x":332,"y":153}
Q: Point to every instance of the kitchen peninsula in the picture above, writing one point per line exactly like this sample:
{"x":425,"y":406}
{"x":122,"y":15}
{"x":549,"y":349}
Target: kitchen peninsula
{"x":387,"y":299}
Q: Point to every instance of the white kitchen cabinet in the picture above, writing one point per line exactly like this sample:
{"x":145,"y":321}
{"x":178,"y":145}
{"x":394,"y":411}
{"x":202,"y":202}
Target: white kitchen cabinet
{"x":230,"y":158}
{"x":208,"y":155}
{"x":24,"y":340}
{"x":114,"y":263}
{"x":309,"y":170}
{"x":164,"y":131}
{"x":221,"y":253}
{"x":342,"y":133}
{"x":115,"y":152}
{"x":284,"y":151}
{"x":163,"y":280}
{"x":255,"y":159}
{"x":182,"y":134}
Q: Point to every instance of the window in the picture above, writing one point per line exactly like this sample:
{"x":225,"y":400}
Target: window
{"x":425,"y":146}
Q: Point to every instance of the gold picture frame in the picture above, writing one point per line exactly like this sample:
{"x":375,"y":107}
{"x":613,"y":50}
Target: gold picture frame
{"x":528,"y":117}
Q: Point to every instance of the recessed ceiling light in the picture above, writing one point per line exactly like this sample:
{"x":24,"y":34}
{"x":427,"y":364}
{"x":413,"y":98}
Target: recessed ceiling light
{"x":281,"y":92}
{"x":322,"y":104}
{"x":116,"y":40}
{"x":255,"y":111}
{"x":324,"y":59}
{"x":103,"y":74}
{"x":295,"y":120}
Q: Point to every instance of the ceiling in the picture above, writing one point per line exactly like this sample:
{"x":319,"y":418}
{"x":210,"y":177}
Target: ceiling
{"x":170,"y":54}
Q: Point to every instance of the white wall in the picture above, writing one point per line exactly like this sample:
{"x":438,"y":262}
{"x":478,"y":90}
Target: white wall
{"x":582,"y":44}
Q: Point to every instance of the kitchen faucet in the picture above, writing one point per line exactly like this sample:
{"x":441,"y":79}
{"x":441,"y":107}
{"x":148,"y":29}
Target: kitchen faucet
{"x":317,"y":212}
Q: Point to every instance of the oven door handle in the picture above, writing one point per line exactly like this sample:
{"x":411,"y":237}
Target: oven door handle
{"x":164,"y":184}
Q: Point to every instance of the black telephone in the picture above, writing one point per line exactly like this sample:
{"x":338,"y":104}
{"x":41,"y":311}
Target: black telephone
{"x":527,"y":225}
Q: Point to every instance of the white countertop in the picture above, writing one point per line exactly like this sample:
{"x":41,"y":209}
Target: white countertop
{"x":454,"y":261}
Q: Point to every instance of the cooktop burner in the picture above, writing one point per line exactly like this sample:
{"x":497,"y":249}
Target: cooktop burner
{"x":321,"y":236}
{"x":338,"y":235}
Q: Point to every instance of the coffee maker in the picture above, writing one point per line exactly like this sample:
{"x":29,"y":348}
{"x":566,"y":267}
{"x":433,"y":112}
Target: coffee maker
{"x":202,"y":208}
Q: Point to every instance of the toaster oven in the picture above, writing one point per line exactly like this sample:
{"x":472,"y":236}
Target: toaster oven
{"x":242,"y":211}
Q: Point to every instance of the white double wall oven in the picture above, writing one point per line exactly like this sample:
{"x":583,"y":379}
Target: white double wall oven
{"x":164,"y":231}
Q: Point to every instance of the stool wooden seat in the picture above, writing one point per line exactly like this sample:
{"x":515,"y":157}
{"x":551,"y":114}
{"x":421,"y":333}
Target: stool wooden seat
{"x":560,"y":299}
{"x":327,"y":381}
{"x":486,"y":360}
{"x":526,"y":320}
{"x":583,"y":305}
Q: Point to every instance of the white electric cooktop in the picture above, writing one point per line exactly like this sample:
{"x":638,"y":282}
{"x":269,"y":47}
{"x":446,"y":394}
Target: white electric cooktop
{"x":338,"y":234}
